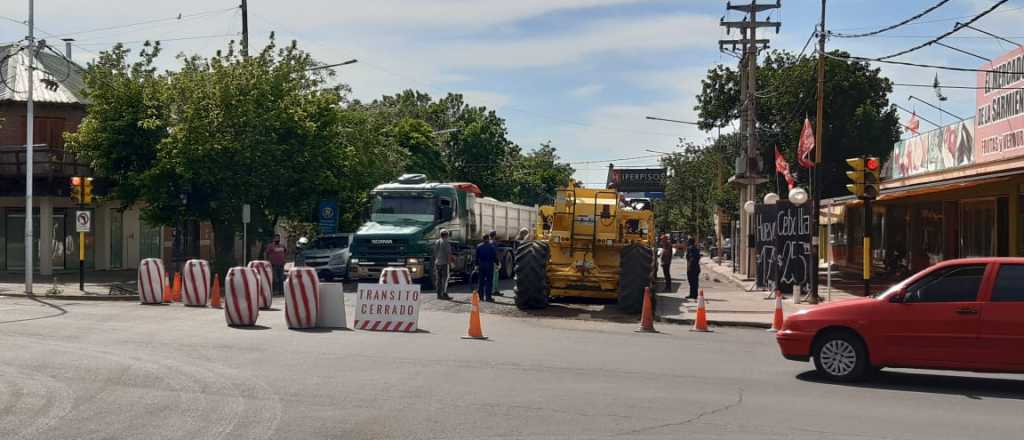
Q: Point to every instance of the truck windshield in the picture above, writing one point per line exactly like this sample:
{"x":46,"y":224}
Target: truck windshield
{"x":391,"y":208}
{"x":330,"y":243}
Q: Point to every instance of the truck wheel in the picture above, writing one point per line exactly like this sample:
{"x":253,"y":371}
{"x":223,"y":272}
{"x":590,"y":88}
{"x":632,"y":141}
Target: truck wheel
{"x":506,"y":267}
{"x":531,"y":275}
{"x":636,"y":265}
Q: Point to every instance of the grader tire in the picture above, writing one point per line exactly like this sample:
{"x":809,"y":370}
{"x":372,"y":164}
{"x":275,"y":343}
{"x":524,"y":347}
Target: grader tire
{"x":531,"y":275}
{"x":636,"y":266}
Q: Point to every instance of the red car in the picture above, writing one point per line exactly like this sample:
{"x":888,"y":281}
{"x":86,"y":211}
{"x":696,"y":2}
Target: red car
{"x":963,"y":314}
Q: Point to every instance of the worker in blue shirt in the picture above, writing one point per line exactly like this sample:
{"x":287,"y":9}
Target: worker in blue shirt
{"x":486,"y":255}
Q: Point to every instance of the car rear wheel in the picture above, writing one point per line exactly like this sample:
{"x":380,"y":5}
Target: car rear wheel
{"x":841,"y":356}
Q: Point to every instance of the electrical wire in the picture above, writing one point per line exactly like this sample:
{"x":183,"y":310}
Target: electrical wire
{"x":152,"y":21}
{"x":162,"y":40}
{"x":588,"y":162}
{"x":889,"y":28}
{"x":928,"y":66}
{"x":931,"y":86}
{"x":940,"y":37}
{"x":937,"y":20}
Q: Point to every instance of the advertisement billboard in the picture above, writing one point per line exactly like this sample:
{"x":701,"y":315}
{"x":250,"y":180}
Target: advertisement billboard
{"x":645,"y":180}
{"x":1000,"y":108}
{"x":941,"y":149}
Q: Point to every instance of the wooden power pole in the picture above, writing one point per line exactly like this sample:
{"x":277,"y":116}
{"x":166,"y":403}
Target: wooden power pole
{"x":816,"y":189}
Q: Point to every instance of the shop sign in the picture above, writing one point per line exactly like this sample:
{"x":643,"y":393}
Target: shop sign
{"x":1000,"y":104}
{"x":783,"y":241}
{"x":645,"y":180}
{"x":941,"y":149}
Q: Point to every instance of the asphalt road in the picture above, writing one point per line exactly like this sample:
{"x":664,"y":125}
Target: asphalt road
{"x":94,"y":370}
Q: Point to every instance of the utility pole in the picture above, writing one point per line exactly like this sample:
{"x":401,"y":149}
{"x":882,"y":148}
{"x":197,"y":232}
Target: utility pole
{"x":29,"y":144}
{"x":816,"y":189}
{"x":750,"y":172}
{"x":245,"y":28}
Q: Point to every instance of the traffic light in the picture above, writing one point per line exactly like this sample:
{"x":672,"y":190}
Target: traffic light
{"x":872,"y":178}
{"x":76,"y":189}
{"x":87,"y":191}
{"x":865,"y":177}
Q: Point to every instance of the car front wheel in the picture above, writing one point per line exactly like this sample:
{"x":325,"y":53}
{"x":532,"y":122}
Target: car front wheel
{"x":841,"y":356}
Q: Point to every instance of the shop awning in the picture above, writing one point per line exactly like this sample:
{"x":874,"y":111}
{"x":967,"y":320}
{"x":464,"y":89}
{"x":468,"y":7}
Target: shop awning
{"x":934,"y":187}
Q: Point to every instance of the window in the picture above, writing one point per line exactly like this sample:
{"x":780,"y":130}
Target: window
{"x":954,"y":284}
{"x":1009,"y":283}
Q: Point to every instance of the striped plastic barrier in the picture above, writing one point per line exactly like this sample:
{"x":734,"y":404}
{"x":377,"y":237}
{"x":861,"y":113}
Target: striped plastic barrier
{"x":151,"y":281}
{"x":196,"y":283}
{"x":265,"y":273}
{"x":395,"y":275}
{"x":241,"y":289}
{"x":302,"y":298}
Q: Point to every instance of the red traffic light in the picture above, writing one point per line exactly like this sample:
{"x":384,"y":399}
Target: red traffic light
{"x":76,"y":181}
{"x":872,"y":164}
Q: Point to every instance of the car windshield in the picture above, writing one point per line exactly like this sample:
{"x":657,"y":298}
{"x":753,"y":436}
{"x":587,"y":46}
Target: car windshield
{"x":330,"y":243}
{"x":395,"y":207}
{"x":893,"y":288}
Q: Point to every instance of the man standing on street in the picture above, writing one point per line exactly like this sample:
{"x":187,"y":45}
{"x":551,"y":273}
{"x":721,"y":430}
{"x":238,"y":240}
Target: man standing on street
{"x":665,"y":244}
{"x":276,"y":254}
{"x":443,"y":259}
{"x":486,"y":254}
{"x":692,"y":266}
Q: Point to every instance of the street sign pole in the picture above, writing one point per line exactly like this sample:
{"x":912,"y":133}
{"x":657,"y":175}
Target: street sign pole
{"x":246,"y":217}
{"x":83,"y":222}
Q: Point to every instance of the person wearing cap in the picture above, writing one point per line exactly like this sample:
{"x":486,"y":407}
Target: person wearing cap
{"x":443,"y":259}
{"x":486,"y":255}
{"x":693,"y":266}
{"x":665,"y":244}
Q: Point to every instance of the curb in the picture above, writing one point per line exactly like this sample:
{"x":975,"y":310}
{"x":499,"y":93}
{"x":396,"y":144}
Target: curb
{"x":716,"y":323}
{"x":73,"y":297}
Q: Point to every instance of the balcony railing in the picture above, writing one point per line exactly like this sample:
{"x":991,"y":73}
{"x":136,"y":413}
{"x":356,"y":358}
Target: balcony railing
{"x":47,"y":162}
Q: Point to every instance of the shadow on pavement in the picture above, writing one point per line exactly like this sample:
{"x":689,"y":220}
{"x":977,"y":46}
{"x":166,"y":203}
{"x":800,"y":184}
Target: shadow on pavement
{"x":60,"y":311}
{"x":972,"y":387}
{"x":249,"y":327}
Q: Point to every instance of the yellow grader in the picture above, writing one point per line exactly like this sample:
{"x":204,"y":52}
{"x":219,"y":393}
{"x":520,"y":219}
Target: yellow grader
{"x":589,"y":245}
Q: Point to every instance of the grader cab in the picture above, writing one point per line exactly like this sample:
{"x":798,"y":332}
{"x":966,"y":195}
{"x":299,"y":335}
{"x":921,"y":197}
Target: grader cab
{"x":590,"y":244}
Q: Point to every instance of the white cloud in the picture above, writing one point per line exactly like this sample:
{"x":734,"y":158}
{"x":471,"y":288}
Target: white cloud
{"x":588,"y":90}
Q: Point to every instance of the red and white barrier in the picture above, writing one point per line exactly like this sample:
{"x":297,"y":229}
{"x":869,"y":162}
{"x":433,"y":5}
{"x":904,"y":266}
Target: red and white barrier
{"x":241,"y":292}
{"x":395,"y":275}
{"x":302,"y":298}
{"x":151,"y":281}
{"x":196,"y":283}
{"x":265,"y":273}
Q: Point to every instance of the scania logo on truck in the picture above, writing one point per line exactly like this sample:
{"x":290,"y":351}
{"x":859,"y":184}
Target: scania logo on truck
{"x":382,"y":241}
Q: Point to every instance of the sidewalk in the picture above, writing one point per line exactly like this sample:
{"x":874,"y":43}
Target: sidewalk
{"x":729,"y":299}
{"x":100,"y":285}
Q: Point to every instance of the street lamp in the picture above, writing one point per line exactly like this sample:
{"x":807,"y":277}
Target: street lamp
{"x":771,"y":198}
{"x":446,"y":131}
{"x":654,"y":118}
{"x":328,"y":66}
{"x":798,"y":196}
{"x":749,"y":207}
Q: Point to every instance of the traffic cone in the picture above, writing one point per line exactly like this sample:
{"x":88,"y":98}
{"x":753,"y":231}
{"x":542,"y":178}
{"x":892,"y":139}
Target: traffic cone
{"x":647,"y":314}
{"x":215,"y":300}
{"x":701,"y":323}
{"x":168,"y":295}
{"x":778,"y":318}
{"x":475,"y":332}
{"x":176,"y":288}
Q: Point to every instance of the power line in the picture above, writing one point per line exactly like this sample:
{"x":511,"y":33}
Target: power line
{"x":937,"y":20}
{"x":152,"y":21}
{"x":928,"y":66}
{"x":940,"y":37}
{"x":889,"y":28}
{"x":624,"y":159}
{"x":931,"y":86}
{"x":162,"y":40}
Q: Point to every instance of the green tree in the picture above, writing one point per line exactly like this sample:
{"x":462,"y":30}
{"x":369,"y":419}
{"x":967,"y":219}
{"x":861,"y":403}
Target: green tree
{"x":417,"y":138}
{"x":697,"y":185}
{"x":858,"y":116}
{"x":197,"y":143}
{"x":537,"y":175}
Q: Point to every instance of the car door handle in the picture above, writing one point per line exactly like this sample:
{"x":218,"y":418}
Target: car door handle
{"x":966,"y":311}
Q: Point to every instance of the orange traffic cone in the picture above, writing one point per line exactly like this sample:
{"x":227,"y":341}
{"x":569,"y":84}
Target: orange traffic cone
{"x":647,"y":314}
{"x":215,"y":300}
{"x":475,"y":332}
{"x":701,"y":323}
{"x":778,"y":318}
{"x":176,"y":288}
{"x":168,"y":295}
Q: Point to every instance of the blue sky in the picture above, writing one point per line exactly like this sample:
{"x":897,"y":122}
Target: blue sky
{"x":580,"y":73}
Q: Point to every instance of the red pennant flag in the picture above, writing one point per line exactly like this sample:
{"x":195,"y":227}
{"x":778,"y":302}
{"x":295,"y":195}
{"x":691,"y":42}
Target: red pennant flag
{"x":806,"y":145}
{"x":782,"y":167}
{"x":915,"y":124}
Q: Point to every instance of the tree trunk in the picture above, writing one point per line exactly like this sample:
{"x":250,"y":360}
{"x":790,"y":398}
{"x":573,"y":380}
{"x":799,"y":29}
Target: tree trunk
{"x":224,"y":247}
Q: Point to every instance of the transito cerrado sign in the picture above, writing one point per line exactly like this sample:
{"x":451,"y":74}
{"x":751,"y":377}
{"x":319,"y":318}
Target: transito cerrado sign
{"x":388,"y":307}
{"x":1000,"y":101}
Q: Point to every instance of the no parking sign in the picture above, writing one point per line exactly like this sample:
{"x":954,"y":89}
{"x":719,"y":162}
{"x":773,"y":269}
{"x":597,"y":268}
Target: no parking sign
{"x":83,"y":221}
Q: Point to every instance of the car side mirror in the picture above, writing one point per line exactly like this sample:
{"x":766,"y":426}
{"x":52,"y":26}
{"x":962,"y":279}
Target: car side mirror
{"x":898,"y":297}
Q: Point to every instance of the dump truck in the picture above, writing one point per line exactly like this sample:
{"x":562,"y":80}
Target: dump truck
{"x":590,"y":244}
{"x":407,"y":215}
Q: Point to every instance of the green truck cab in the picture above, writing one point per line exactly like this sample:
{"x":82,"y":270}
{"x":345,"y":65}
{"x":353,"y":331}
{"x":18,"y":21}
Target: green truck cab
{"x":407,"y":216}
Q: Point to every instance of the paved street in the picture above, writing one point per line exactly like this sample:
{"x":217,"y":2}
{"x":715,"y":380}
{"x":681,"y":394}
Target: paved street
{"x":122,"y":370}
